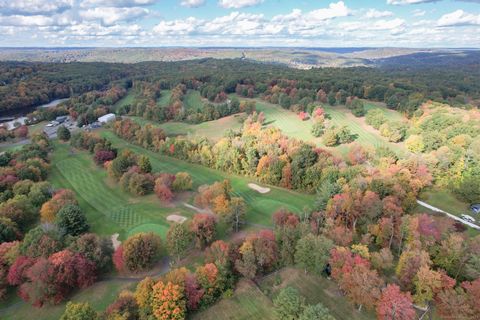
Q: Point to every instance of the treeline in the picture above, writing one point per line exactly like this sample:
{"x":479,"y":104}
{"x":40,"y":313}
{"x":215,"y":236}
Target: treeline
{"x":145,"y":104}
{"x":401,"y":88}
{"x":435,"y":265}
{"x":24,"y":85}
{"x":46,"y":261}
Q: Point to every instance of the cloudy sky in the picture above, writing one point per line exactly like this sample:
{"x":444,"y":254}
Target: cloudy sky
{"x":313,"y":23}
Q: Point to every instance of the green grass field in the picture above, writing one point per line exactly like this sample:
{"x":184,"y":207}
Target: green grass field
{"x":193,"y":100}
{"x":260,"y":206}
{"x":292,"y":126}
{"x":99,"y":295}
{"x":315,"y":290}
{"x":128,"y":99}
{"x":164,"y":98}
{"x":109,"y":209}
{"x":252,"y":302}
{"x":213,"y":130}
{"x":248,"y":302}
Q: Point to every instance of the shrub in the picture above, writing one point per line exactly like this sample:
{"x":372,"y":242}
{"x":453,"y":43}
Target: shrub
{"x":141,"y":251}
{"x":71,"y":220}
{"x":182,"y":182}
{"x":63,"y":133}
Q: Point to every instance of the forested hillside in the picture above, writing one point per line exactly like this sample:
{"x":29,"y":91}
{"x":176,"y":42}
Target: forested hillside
{"x":401,"y":86}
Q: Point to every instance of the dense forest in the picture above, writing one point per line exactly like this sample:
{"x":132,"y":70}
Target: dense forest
{"x":402,"y":86}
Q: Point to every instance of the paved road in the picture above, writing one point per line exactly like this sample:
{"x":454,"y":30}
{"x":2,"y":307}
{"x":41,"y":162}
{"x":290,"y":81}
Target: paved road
{"x":426,"y":205}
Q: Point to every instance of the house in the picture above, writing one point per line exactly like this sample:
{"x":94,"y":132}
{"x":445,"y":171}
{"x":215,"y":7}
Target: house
{"x":61,"y":119}
{"x":107,"y":118}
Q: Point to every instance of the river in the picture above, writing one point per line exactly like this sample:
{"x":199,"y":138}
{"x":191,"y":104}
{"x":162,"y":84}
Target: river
{"x":17,"y":113}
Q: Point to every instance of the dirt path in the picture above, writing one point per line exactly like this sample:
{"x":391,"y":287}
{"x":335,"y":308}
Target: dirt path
{"x":199,"y":210}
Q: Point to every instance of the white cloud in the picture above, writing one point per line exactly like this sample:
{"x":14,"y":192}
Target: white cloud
{"x":116,"y":3}
{"x":418,"y":13}
{"x":111,"y":15}
{"x":404,"y":2}
{"x":459,"y":18}
{"x":334,"y":10}
{"x":387,"y":24}
{"x":35,"y":7}
{"x":237,"y":4}
{"x":192,"y":3}
{"x":177,"y":27}
{"x":374,"y":14}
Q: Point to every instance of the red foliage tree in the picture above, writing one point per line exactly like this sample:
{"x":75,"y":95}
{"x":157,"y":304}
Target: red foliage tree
{"x":395,"y":305}
{"x":102,"y":156}
{"x":17,"y":271}
{"x":218,"y":253}
{"x":163,"y":192}
{"x":193,"y":292}
{"x":204,"y":229}
{"x":118,"y":260}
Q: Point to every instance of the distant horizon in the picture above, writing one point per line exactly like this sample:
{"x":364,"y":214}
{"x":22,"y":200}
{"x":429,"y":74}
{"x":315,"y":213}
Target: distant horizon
{"x":236,"y":47}
{"x":240,"y":23}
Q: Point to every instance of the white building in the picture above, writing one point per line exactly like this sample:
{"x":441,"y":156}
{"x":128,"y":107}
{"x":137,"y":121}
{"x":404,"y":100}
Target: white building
{"x":107,"y":118}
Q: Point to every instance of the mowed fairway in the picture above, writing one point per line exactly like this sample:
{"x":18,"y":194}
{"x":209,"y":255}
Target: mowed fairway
{"x":109,"y":210}
{"x":292,"y":126}
{"x":213,"y":130}
{"x":260,"y":206}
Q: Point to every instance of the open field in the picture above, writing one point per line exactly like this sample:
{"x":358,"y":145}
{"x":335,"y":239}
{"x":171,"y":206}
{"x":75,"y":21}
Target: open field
{"x":213,"y":130}
{"x":164,"y":98}
{"x":128,"y":99}
{"x":260,"y":206}
{"x":292,"y":126}
{"x":109,"y":209}
{"x":99,"y":295}
{"x":252,"y":302}
{"x":315,"y":290}
{"x":248,"y":302}
{"x":193,"y":100}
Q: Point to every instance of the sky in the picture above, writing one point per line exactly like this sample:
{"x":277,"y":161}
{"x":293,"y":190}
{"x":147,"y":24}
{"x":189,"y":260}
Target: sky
{"x":240,"y":23}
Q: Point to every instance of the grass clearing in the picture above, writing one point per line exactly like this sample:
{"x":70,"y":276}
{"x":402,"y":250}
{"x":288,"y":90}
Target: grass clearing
{"x":315,"y":290}
{"x":128,"y":99}
{"x":99,"y":295}
{"x":248,"y":302}
{"x":193,"y":100}
{"x":164,"y":99}
{"x":260,"y":206}
{"x":213,"y":130}
{"x":291,"y":125}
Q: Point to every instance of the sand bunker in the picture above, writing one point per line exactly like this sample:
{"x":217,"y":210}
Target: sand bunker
{"x":176,"y":218}
{"x":116,"y":243}
{"x":258,"y":188}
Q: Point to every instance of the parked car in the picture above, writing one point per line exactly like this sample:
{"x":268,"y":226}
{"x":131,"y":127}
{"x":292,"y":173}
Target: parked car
{"x":475,"y":208}
{"x":468,"y":218}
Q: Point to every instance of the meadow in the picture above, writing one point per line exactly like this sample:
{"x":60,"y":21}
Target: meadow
{"x":292,"y":126}
{"x":213,"y":130}
{"x":252,"y":301}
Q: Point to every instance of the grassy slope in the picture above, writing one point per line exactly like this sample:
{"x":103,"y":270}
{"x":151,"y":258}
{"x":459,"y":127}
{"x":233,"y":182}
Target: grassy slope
{"x":252,"y":302}
{"x":100,"y":295}
{"x":193,"y":100}
{"x":109,"y":209}
{"x":248,"y":302}
{"x":292,"y":126}
{"x":164,"y":98}
{"x":315,"y":289}
{"x":261,"y":206}
{"x":128,"y":99}
{"x":212,"y":129}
